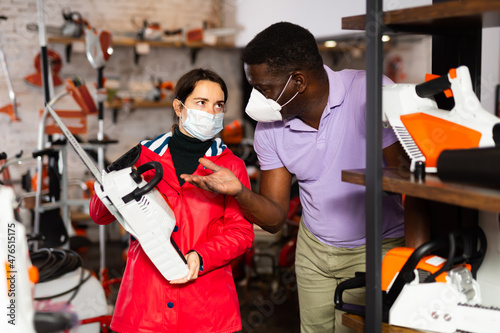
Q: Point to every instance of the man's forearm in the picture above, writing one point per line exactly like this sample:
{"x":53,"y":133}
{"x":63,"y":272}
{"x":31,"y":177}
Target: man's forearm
{"x":260,"y":210}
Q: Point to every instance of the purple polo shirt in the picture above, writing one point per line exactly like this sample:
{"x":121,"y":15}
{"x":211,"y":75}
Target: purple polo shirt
{"x":334,"y":211}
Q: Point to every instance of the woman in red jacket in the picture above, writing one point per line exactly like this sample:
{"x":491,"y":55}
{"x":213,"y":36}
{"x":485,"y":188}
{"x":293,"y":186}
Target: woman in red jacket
{"x":210,"y":228}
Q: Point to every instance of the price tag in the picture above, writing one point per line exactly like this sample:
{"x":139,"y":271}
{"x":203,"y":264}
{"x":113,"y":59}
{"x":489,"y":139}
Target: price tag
{"x":435,"y":261}
{"x":78,"y":46}
{"x":142,"y":48}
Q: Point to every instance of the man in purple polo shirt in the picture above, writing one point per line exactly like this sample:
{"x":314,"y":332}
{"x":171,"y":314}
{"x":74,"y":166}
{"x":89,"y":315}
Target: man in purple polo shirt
{"x":311,"y":124}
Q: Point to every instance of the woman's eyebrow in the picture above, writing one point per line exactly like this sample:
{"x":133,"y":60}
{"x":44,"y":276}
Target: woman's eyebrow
{"x":206,"y":99}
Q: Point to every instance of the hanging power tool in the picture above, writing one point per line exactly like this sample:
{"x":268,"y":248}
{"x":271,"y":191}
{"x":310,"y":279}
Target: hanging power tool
{"x":158,"y":91}
{"x":153,"y":31}
{"x":136,"y":204}
{"x":99,"y":49}
{"x":98,"y":46}
{"x":73,"y":26}
{"x":10,"y":109}
{"x":54,"y":64}
{"x":425,"y":131}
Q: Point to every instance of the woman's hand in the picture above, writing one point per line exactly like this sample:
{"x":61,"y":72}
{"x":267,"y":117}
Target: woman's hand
{"x":193,"y":262}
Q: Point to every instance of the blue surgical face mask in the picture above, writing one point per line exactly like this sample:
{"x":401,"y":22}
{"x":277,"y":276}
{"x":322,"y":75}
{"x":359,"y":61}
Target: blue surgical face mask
{"x":202,"y":125}
{"x":263,"y":109}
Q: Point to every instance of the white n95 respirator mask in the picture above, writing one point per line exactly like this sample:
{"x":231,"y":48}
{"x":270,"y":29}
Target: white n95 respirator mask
{"x":202,"y":125}
{"x":263,"y":109}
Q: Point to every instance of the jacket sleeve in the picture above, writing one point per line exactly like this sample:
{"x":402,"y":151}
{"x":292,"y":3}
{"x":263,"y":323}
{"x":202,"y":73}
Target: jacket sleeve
{"x":98,"y":211}
{"x":237,"y":235}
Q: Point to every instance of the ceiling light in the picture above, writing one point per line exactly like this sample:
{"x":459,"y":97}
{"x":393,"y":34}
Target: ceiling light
{"x":330,"y":43}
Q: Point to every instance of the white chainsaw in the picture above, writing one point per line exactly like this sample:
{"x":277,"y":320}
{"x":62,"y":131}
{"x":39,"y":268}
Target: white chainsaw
{"x":136,"y":204}
{"x":424,"y":130}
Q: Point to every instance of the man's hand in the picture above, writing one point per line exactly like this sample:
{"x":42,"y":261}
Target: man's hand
{"x":221,"y":181}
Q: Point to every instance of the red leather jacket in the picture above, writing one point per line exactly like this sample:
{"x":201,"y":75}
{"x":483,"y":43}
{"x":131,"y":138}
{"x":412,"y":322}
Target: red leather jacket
{"x":209,"y":223}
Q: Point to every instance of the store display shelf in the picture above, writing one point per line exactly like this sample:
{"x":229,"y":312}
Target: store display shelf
{"x":357,"y":324}
{"x":432,"y":188}
{"x":123,"y":41}
{"x":139,"y":104}
{"x":451,"y":15}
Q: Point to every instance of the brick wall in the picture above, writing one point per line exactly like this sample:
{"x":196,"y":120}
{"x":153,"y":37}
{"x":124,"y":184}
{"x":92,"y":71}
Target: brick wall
{"x":21,"y":46}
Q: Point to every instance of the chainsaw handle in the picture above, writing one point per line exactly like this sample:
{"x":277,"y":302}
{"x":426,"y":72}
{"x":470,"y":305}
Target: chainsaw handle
{"x":358,"y":281}
{"x":433,"y":87}
{"x":136,"y":175}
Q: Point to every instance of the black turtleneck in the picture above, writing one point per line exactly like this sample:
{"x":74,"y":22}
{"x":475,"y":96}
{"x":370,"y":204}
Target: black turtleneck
{"x":186,"y":151}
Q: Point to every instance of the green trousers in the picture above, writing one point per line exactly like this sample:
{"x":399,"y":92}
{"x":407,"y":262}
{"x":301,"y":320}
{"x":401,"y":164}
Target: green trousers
{"x":320,"y":268}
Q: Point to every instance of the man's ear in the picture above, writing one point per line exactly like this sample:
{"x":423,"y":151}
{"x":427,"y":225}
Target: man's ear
{"x":300,"y":81}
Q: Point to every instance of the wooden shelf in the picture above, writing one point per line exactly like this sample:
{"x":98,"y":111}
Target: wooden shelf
{"x":449,"y":15}
{"x":123,"y":41}
{"x":131,"y":42}
{"x":357,"y":324}
{"x":396,"y":181}
{"x":194,"y":47}
{"x":139,"y":104}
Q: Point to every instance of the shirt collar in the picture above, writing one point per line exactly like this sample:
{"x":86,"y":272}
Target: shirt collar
{"x":335,"y":98}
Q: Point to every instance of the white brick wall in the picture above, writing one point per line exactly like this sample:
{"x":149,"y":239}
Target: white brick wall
{"x":21,"y":46}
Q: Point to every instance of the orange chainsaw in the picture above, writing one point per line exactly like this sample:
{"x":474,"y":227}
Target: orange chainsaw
{"x":422,"y":290}
{"x":424,"y":130}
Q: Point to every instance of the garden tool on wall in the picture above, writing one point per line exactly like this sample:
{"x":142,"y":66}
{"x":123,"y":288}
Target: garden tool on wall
{"x":99,"y":49}
{"x":73,"y":26}
{"x":47,"y":91}
{"x":425,"y":131}
{"x":9,"y":109}
{"x":149,"y":31}
{"x":158,"y":91}
{"x":135,"y":203}
{"x":54,"y":62}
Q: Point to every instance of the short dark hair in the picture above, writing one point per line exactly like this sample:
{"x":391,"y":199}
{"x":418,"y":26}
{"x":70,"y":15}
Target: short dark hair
{"x":185,"y":85}
{"x":284,"y":47}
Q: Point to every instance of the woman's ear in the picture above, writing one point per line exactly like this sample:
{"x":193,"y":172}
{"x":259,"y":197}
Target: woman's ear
{"x":176,"y":104}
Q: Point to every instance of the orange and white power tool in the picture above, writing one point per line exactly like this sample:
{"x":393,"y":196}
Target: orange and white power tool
{"x":424,"y":130}
{"x":17,"y":274}
{"x":424,"y":291}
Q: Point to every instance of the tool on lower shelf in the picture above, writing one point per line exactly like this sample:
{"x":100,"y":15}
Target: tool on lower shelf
{"x":135,"y":203}
{"x":425,"y":291}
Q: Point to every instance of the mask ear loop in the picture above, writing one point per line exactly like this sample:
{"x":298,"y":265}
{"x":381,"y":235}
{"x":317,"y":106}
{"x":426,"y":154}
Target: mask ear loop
{"x":289,"y":78}
{"x":290,"y":99}
{"x":180,"y":117}
{"x":284,"y":91}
